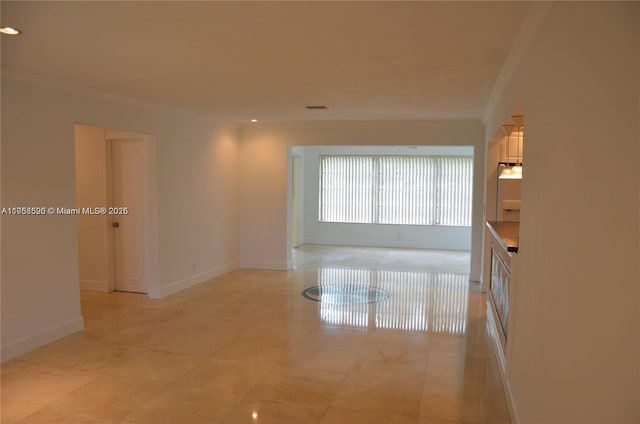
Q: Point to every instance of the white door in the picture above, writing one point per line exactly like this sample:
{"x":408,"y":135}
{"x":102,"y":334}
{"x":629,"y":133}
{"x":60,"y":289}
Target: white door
{"x":127,"y":214}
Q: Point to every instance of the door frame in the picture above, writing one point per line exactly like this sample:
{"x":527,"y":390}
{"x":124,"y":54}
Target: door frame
{"x":296,"y":200}
{"x":107,"y":284}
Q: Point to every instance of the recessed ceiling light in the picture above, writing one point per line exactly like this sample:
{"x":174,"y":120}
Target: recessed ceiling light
{"x":254,"y":120}
{"x":316,"y":107}
{"x":10,"y":31}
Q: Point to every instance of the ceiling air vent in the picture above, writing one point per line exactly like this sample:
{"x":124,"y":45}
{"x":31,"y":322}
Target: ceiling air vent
{"x":315,"y":107}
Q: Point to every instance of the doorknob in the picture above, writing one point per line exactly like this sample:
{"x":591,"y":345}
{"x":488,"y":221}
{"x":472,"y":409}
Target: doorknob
{"x":115,"y":224}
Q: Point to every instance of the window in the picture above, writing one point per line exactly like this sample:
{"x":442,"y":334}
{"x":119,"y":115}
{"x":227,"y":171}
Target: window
{"x":413,"y":190}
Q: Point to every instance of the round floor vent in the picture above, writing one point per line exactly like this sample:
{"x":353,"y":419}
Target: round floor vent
{"x":346,"y":294}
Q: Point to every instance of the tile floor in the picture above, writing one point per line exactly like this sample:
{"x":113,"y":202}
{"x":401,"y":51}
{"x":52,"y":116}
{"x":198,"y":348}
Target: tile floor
{"x":246,"y":347}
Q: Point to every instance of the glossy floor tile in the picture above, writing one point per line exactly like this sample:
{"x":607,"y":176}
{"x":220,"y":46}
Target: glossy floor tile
{"x":386,"y":336}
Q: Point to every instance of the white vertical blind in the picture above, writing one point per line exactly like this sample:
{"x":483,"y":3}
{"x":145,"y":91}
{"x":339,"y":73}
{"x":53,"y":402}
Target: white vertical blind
{"x":407,"y":192}
{"x":346,"y":188}
{"x":413,"y":190}
{"x":455,"y":191}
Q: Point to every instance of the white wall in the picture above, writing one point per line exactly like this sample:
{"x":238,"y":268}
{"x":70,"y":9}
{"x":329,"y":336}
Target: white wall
{"x":197,"y":200}
{"x":407,"y":236}
{"x":574,"y":355}
{"x":265,"y":150}
{"x":91,"y":192}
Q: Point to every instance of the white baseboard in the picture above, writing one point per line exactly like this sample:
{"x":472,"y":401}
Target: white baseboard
{"x":276,"y":266}
{"x":502,"y":363}
{"x":510,"y":402}
{"x":492,"y":327}
{"x":172,"y":288}
{"x":392,"y":244}
{"x":34,"y":341}
{"x":94,"y":285}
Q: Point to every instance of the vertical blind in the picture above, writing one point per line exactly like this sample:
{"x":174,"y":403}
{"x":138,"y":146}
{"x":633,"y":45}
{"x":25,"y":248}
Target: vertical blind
{"x":415,"y":190}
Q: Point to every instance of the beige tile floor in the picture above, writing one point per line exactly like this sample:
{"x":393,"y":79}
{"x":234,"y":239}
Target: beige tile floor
{"x":248,"y":348}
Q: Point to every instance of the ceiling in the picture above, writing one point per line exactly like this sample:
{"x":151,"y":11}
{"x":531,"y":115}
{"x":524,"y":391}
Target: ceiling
{"x":268,"y":60}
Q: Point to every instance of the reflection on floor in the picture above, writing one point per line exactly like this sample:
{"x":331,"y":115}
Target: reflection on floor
{"x":399,"y":300}
{"x":247,"y":347}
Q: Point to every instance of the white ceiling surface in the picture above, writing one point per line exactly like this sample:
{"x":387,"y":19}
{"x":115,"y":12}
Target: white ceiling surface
{"x":267,"y":60}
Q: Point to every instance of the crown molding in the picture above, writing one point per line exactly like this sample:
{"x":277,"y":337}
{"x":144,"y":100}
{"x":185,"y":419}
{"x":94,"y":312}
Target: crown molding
{"x":19,"y":75}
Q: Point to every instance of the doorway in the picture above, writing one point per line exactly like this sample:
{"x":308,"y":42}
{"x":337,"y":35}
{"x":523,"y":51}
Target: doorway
{"x":296,"y":201}
{"x":114,"y":200}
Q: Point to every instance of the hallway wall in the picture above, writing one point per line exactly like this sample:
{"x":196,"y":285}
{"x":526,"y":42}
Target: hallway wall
{"x":575,"y":334}
{"x":197,"y":200}
{"x":91,"y":191}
